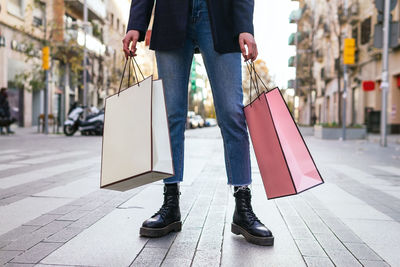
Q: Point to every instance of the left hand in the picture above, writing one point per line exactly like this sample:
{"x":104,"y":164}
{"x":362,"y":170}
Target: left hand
{"x":247,"y":39}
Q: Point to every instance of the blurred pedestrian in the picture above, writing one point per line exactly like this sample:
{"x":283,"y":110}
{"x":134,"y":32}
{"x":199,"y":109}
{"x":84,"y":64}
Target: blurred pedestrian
{"x":313,"y":119}
{"x":5,"y":118}
{"x":220,"y":30}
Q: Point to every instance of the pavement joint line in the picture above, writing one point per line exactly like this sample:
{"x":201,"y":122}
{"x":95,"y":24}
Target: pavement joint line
{"x":385,"y":199}
{"x":338,"y":238}
{"x":291,"y":234}
{"x":49,"y":183}
{"x":204,"y":222}
{"x":314,"y":234}
{"x":35,"y":232}
{"x":184,"y":220}
{"x":32,"y":167}
{"x":316,"y":239}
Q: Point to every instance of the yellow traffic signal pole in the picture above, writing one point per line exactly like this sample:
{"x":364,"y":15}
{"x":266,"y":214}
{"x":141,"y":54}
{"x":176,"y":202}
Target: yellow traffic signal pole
{"x":45,"y":66}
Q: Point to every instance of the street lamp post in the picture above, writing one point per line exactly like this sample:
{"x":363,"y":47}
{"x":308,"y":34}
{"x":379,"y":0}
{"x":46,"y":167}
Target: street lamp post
{"x":385,"y":74}
{"x":85,"y":88}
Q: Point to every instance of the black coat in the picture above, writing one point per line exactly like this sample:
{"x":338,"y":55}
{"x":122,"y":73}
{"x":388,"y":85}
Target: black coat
{"x":228,"y":19}
{"x":4,"y":107}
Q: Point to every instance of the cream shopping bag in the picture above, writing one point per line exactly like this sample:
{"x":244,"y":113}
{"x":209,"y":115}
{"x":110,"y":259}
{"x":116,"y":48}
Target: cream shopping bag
{"x":136,"y":143}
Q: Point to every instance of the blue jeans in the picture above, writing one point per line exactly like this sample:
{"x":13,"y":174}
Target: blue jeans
{"x":225,"y":74}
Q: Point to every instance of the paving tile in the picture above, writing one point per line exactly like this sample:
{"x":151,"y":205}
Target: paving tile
{"x":381,"y":236}
{"x":362,"y":251}
{"x":300,"y":233}
{"x":112,"y":241}
{"x":88,"y":219}
{"x":317,"y":226}
{"x":37,"y":253}
{"x":182,"y":250}
{"x":343,"y":258}
{"x":310,"y":247}
{"x":25,"y":210}
{"x":150,"y":257}
{"x":6,"y":256}
{"x":74,"y":189}
{"x":207,"y":258}
{"x":64,"y":209}
{"x":19,"y":265}
{"x":162,"y":242}
{"x":329,"y":241}
{"x":92,"y":205}
{"x":27,"y":241}
{"x":348,"y":236}
{"x":4,"y":243}
{"x":367,"y":263}
{"x":53,"y":227}
{"x":73,"y":215}
{"x":43,"y":173}
{"x":64,"y":235}
{"x":18,"y":232}
{"x":43,"y":220}
{"x":174,"y":262}
{"x":318,"y":261}
{"x":294,"y":221}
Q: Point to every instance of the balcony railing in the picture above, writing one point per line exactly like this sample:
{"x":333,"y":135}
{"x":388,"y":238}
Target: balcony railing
{"x":300,"y":37}
{"x":93,"y":44}
{"x":295,"y":15}
{"x":97,"y":9}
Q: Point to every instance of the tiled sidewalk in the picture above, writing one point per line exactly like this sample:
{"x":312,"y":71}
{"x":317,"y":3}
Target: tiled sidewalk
{"x":54,"y":216}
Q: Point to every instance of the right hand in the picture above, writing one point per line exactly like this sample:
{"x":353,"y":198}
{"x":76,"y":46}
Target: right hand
{"x":131,"y":36}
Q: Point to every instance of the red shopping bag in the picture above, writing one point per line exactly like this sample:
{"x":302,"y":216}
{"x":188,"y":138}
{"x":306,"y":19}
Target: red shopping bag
{"x":285,"y":163}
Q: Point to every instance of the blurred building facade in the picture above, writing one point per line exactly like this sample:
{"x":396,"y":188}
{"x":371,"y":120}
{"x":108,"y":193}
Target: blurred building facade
{"x":24,"y":31}
{"x":322,"y":26}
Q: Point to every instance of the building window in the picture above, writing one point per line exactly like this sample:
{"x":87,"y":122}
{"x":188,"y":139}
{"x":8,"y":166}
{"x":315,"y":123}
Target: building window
{"x":365,"y":30}
{"x":111,"y":19}
{"x":69,"y":22}
{"x":354,"y":34}
{"x":16,"y":7}
{"x":39,"y":13}
{"x":117,"y":24}
{"x":123,"y":28}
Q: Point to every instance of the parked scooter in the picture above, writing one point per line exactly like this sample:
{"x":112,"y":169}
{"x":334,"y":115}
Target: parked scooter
{"x":93,"y":125}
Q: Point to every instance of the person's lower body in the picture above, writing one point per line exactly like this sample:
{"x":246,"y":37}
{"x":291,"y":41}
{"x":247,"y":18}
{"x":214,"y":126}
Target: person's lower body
{"x":8,"y":130}
{"x":224,"y":72}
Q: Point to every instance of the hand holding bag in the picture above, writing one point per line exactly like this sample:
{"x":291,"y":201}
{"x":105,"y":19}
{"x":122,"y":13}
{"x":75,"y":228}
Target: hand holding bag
{"x":136,"y":147}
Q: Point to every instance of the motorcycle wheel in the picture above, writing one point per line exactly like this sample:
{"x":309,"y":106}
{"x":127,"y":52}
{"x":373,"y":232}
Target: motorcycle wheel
{"x":69,"y":130}
{"x":99,"y":128}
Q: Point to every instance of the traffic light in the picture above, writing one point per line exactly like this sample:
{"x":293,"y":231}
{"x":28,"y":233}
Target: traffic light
{"x":349,"y":51}
{"x":46,"y":57}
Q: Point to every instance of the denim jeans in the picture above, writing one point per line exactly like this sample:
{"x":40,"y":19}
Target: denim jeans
{"x":225,"y":74}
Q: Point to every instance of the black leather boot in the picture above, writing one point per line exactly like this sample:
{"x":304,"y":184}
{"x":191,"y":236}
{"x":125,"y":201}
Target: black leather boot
{"x":168,"y":218}
{"x":246,"y":223}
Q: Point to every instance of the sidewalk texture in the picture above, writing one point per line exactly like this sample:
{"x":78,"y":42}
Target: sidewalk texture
{"x":54,"y":214}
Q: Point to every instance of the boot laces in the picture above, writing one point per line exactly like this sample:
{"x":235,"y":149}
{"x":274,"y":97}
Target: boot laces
{"x":166,"y":206}
{"x":250,"y":213}
{"x":163,"y":210}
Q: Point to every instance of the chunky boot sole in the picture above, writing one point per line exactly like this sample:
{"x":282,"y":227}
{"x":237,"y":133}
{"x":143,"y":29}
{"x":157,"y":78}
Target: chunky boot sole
{"x":159,"y":232}
{"x":258,"y":240}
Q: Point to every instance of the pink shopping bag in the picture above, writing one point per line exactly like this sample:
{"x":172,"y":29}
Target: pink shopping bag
{"x":285,"y":163}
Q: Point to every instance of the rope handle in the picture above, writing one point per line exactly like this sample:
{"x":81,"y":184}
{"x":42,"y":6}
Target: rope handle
{"x":252,"y":71}
{"x":130,"y":59}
